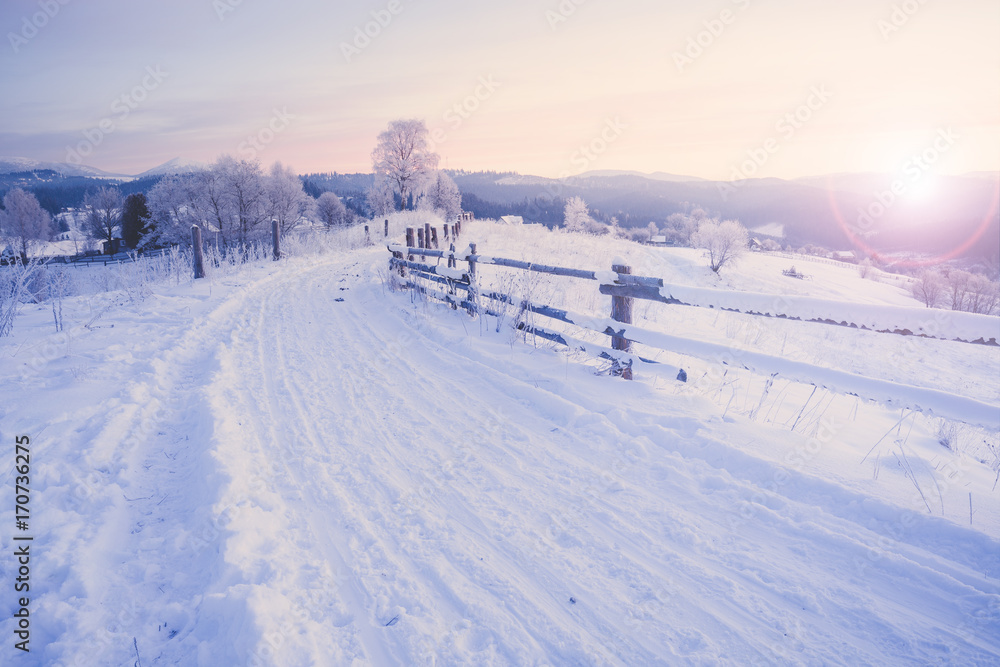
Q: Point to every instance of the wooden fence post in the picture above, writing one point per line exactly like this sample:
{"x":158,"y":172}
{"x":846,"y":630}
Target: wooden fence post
{"x":409,"y":242}
{"x":386,"y":228}
{"x":276,"y":240}
{"x":368,"y":237}
{"x":451,"y":257}
{"x":473,"y":287}
{"x":621,"y":311}
{"x":421,"y":243}
{"x":407,"y":256}
{"x":199,"y":257}
{"x":427,"y":235}
{"x":446,"y":231}
{"x":434,"y":238}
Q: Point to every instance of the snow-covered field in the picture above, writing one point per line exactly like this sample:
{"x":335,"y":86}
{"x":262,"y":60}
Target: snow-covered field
{"x":291,"y":464}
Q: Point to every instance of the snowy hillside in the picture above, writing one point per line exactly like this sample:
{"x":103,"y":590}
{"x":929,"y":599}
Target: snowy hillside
{"x":289,"y":463}
{"x":174,"y":166}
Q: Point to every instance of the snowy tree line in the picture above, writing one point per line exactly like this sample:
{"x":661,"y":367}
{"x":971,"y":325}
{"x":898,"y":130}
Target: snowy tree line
{"x":945,"y":287}
{"x":723,"y":241}
{"x":234,"y":201}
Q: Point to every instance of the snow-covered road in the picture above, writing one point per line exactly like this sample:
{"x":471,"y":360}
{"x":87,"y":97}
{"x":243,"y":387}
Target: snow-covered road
{"x":319,"y":472}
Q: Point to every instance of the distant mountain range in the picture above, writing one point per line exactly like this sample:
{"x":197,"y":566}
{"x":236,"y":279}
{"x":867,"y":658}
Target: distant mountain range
{"x":875,"y":212}
{"x":13,"y":165}
{"x":935,"y":215}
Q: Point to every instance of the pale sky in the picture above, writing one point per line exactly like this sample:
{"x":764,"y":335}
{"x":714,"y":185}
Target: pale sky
{"x":516,"y":85}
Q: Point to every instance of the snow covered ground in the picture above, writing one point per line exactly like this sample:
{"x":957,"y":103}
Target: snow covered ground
{"x":289,"y":464}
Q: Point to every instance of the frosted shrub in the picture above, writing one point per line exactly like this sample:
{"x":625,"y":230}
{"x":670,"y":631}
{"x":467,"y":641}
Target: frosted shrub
{"x":14,"y":291}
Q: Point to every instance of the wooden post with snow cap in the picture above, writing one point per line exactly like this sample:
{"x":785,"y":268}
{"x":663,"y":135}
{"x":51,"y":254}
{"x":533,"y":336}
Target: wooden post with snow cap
{"x":276,"y":240}
{"x":199,"y":256}
{"x":621,"y":311}
{"x":434,"y":238}
{"x":427,"y":235}
{"x":473,"y":286}
{"x":421,"y":243}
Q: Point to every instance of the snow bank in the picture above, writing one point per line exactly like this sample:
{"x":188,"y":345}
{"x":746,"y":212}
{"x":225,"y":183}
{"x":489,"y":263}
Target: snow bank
{"x":930,"y":322}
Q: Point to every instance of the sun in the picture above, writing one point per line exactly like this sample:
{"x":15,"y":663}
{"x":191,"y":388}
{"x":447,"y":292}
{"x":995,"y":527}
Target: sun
{"x":920,"y":189}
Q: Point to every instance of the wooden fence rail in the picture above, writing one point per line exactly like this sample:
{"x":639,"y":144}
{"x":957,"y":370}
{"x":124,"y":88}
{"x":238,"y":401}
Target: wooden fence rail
{"x":624,"y":287}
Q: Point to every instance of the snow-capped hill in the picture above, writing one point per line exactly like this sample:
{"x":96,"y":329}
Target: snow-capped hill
{"x":655,"y":176}
{"x":175,"y":166}
{"x":10,"y":165}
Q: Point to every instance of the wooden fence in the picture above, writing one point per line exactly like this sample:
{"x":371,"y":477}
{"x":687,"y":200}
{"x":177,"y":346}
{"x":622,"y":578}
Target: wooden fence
{"x":445,"y":282}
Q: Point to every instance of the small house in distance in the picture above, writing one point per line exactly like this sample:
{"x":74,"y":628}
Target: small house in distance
{"x":658,"y":240}
{"x":511,"y":219}
{"x":844,"y":256}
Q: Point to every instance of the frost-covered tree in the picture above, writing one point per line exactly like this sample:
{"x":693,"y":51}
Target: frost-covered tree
{"x":228,"y":199}
{"x":681,"y":226}
{"x":576,"y":217}
{"x":982,"y":295}
{"x":243,"y":192}
{"x":725,"y":241}
{"x":104,"y":213}
{"x":443,"y":197}
{"x":403,"y":156}
{"x":379,"y":197}
{"x":957,"y":288}
{"x":23,"y":220}
{"x":331,"y":210}
{"x":176,"y":203}
{"x":286,"y":200}
{"x":928,"y":288}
